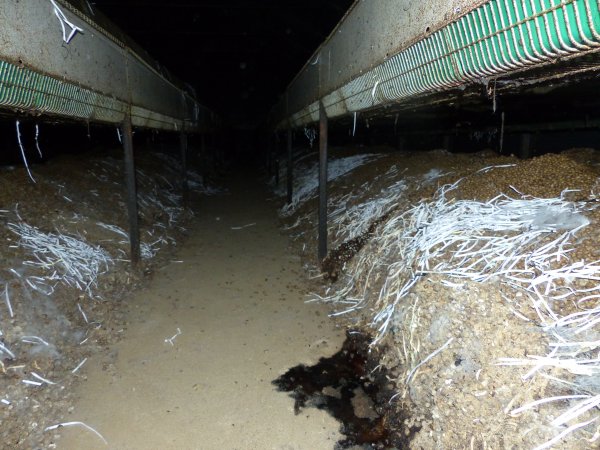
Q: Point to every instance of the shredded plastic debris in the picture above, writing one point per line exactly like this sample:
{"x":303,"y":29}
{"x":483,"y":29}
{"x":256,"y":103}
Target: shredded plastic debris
{"x":525,"y":242}
{"x":306,"y":178}
{"x":64,"y":23}
{"x":63,"y":258}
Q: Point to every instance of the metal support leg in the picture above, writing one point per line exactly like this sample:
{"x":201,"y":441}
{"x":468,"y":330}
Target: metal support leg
{"x":183,"y":140}
{"x":269,"y":158}
{"x":134,"y":229}
{"x":221,"y":145}
{"x":290,"y":167}
{"x":501,"y":143}
{"x":525,"y":146}
{"x":447,"y":143}
{"x":276,"y":158}
{"x":323,"y":128}
{"x":400,"y":143}
{"x":214,"y":142}
{"x":203,"y":157}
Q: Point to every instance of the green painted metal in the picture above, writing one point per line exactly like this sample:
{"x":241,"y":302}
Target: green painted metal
{"x":497,"y":38}
{"x":24,"y":89}
{"x":96,"y":75}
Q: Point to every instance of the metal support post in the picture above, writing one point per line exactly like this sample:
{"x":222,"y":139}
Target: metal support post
{"x":323,"y":129}
{"x":400,"y":143}
{"x":525,"y":146}
{"x":290,"y":167}
{"x":183,"y":141}
{"x":269,"y":156}
{"x":447,"y":143}
{"x":276,"y":159}
{"x":203,"y":157}
{"x":132,"y":210}
{"x":501,"y":143}
{"x":213,"y":150}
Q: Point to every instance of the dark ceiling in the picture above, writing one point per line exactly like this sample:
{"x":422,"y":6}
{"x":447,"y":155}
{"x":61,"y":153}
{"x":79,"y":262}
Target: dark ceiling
{"x":239,"y":55}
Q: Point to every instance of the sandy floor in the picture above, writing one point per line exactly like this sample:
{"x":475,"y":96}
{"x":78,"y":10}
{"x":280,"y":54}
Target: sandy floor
{"x":237,"y":298}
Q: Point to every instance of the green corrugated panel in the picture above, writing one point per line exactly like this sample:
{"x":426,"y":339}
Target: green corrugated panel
{"x":497,"y":38}
{"x":23,"y":89}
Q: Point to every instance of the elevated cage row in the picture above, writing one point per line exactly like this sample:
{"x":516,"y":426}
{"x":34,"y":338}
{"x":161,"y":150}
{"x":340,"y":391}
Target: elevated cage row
{"x":65,"y":59}
{"x":391,"y":265}
{"x":420,"y":49}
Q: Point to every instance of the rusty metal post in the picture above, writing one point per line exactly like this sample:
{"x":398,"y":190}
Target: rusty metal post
{"x":213,"y":150}
{"x":202,"y":158}
{"x":276,"y":159}
{"x":290,"y":167}
{"x":323,"y":136}
{"x":269,"y":165}
{"x":501,"y":143}
{"x":183,"y":142}
{"x":447,"y":143}
{"x":400,"y":143}
{"x":132,"y":209}
{"x":525,"y":146}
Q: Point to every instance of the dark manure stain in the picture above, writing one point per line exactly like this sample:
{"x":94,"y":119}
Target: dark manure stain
{"x":335,"y":260}
{"x":343,"y":386}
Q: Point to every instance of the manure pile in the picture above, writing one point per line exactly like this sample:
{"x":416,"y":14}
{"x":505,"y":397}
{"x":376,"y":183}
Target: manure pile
{"x":479,"y":277}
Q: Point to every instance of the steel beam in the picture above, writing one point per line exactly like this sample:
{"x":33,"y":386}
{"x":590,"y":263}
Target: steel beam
{"x":323,"y":137}
{"x":132,"y":209}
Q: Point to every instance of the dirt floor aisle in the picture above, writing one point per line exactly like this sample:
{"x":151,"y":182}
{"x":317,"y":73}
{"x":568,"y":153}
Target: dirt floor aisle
{"x":238,"y":299}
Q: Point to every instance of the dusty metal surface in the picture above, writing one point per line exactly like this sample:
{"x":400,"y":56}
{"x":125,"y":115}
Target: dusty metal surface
{"x":130,"y":182}
{"x":56,"y":60}
{"x":389,"y":52}
{"x":371,"y":32}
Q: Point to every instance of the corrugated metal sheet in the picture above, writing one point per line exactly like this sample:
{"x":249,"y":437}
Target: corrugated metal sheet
{"x":473,"y":43}
{"x":91,"y":75}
